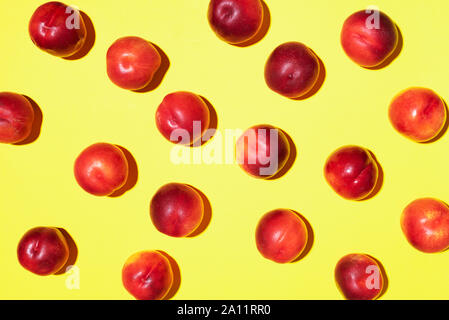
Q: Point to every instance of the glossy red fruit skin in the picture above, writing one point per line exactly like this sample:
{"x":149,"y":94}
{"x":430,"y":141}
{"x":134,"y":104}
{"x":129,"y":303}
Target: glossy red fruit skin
{"x":364,"y":43}
{"x":255,"y":144}
{"x":281,"y":236}
{"x":16,"y":117}
{"x":352,"y":172}
{"x":50,"y":31}
{"x":179,"y":110}
{"x":418,"y":114}
{"x":43,"y":250}
{"x":354,"y":274}
{"x":176,"y":209}
{"x":425,"y":224}
{"x":132,"y":62}
{"x":292,"y":70}
{"x":147,"y":275}
{"x":235,"y":21}
{"x":101,"y":169}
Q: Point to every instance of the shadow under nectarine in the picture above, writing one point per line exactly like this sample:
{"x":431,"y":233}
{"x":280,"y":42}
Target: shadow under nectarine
{"x":133,"y":174}
{"x":160,"y":73}
{"x":90,"y":39}
{"x":207,"y":216}
{"x":310,"y":238}
{"x":290,"y":161}
{"x":176,"y":276}
{"x":443,"y":130}
{"x":213,"y":124}
{"x":262,"y":32}
{"x":379,"y":182}
{"x":36,"y":126}
{"x":318,"y":84}
{"x":73,"y":252}
{"x":396,"y":52}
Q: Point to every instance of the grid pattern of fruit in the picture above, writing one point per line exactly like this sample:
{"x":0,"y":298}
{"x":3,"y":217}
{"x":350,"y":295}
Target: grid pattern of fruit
{"x":238,"y":149}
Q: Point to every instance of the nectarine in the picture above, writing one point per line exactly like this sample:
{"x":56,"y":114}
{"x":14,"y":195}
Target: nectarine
{"x":352,"y":172}
{"x":359,"y":277}
{"x":281,"y":235}
{"x":235,"y":21}
{"x":369,"y":37}
{"x":182,"y":117}
{"x":262,"y":151}
{"x":16,"y":117}
{"x":176,"y":209}
{"x":101,"y":169}
{"x":132,"y":62}
{"x":292,"y":70}
{"x":147,"y":275}
{"x":43,"y":250}
{"x":57,"y":29}
{"x":425,"y":223}
{"x":418,"y":114}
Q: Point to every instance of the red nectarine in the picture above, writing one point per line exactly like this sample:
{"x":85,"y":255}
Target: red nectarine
{"x":262,"y":151}
{"x":101,"y":169}
{"x":16,"y":117}
{"x":425,"y":223}
{"x":147,"y":275}
{"x":176,"y":209}
{"x":132,"y":62}
{"x":359,"y":277}
{"x":43,"y":250}
{"x":418,"y":114}
{"x":235,"y":21}
{"x":182,"y":117}
{"x":57,"y":29}
{"x":352,"y":172}
{"x":292,"y":70}
{"x":281,"y":235}
{"x":369,"y":37}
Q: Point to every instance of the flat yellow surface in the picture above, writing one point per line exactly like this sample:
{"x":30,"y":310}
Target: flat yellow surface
{"x":81,"y":106}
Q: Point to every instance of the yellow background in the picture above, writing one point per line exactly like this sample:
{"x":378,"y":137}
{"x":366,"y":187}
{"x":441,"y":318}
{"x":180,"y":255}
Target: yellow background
{"x":81,"y":106}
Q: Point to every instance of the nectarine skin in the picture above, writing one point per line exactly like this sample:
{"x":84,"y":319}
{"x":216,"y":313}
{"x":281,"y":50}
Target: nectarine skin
{"x":179,"y":110}
{"x":292,"y":70}
{"x":425,"y":223}
{"x":359,"y":277}
{"x":235,"y":21}
{"x":147,"y":275}
{"x":176,"y":209}
{"x":101,"y":169}
{"x":281,"y":235}
{"x":367,"y":43}
{"x":43,"y":250}
{"x":51,"y":28}
{"x":132,"y":62}
{"x":418,"y":114}
{"x":258,"y":156}
{"x":352,"y":172}
{"x":16,"y":117}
